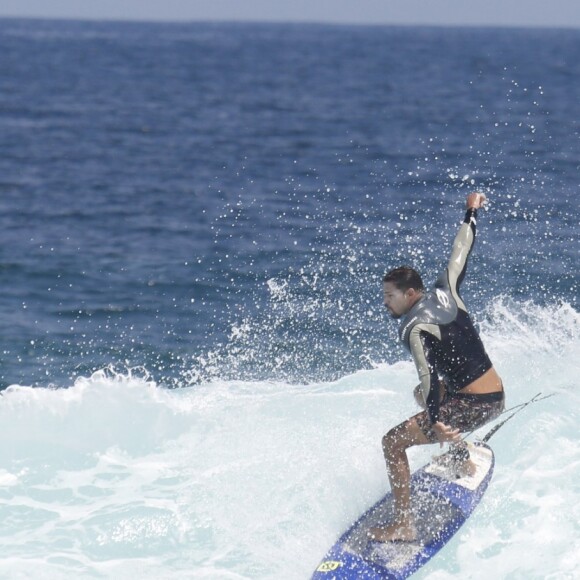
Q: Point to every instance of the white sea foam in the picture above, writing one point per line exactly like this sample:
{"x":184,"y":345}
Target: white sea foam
{"x":115,"y":477}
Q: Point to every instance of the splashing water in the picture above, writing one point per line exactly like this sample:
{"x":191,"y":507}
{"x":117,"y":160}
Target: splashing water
{"x":117,"y":476}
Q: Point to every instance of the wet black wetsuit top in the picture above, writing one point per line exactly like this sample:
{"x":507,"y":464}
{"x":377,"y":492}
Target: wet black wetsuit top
{"x":439,"y":333}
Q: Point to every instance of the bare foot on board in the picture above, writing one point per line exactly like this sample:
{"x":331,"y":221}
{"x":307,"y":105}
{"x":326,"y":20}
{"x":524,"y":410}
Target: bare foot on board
{"x":395,"y":532}
{"x":466,"y":468}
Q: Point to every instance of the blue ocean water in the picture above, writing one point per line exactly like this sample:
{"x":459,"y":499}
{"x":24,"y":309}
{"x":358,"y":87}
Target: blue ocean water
{"x":194,"y":222}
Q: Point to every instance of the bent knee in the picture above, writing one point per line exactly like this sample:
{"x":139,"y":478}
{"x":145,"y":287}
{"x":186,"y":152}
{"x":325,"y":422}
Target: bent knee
{"x":403,"y":436}
{"x":393,"y":440}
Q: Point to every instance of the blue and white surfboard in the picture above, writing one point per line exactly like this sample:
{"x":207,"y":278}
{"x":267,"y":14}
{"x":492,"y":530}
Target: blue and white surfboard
{"x":441,"y":501}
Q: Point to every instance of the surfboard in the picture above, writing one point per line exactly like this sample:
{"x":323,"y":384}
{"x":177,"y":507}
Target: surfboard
{"x":441,"y":501}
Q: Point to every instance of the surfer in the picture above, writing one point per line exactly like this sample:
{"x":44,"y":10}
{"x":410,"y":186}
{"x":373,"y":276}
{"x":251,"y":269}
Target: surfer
{"x":459,"y":390}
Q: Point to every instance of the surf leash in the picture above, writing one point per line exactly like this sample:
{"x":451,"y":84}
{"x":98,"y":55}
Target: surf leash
{"x":516,"y":409}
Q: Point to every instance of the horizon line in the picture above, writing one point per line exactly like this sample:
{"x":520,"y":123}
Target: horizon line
{"x":292,"y":22}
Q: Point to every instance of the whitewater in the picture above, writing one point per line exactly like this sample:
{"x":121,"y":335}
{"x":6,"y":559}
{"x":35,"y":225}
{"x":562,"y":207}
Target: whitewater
{"x":117,"y":476}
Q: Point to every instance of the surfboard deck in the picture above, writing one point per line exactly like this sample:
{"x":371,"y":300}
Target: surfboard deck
{"x":441,"y":501}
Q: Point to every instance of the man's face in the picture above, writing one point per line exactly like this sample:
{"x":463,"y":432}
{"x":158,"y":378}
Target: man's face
{"x":397,"y":302}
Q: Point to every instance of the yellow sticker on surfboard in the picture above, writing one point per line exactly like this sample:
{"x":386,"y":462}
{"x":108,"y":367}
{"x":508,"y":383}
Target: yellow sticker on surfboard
{"x":329,"y":566}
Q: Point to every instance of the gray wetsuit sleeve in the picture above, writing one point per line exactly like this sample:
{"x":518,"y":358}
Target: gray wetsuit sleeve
{"x":419,"y":341}
{"x":457,"y":266}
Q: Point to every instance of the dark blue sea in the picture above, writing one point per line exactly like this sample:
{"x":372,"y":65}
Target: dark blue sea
{"x":194,"y":223}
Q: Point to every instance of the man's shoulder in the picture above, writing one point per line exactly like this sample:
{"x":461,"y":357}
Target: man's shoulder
{"x":437,"y":307}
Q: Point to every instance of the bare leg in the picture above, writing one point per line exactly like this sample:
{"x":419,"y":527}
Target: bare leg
{"x":395,"y":445}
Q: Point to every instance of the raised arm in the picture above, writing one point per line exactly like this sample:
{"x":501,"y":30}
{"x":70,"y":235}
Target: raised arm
{"x":462,"y":245}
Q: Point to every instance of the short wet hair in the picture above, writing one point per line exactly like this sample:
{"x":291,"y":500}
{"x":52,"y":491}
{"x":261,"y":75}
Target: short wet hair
{"x":404,"y":278}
